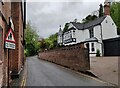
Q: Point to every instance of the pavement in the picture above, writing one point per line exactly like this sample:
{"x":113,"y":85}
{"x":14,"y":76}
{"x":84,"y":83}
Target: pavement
{"x":1,"y":74}
{"x":105,"y":68}
{"x":19,"y":82}
{"x":43,"y":73}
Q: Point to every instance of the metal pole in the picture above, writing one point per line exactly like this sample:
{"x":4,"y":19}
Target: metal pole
{"x":8,"y":60}
{"x":8,"y":71}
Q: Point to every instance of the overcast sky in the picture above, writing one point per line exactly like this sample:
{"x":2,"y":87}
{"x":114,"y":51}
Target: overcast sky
{"x":48,"y":15}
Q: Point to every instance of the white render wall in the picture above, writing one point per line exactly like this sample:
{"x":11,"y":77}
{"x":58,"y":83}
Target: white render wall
{"x":81,"y":35}
{"x":109,"y":30}
{"x":97,"y":34}
{"x":59,"y":39}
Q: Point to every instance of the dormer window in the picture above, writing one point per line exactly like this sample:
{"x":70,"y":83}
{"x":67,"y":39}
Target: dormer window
{"x":91,"y":32}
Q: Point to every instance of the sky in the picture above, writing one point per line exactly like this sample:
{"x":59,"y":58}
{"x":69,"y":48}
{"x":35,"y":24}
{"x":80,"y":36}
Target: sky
{"x":47,"y":15}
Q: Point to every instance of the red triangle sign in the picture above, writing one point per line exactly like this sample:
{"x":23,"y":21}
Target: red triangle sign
{"x":10,"y":36}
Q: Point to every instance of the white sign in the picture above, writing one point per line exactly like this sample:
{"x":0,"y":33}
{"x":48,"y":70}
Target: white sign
{"x":12,"y":25}
{"x":9,"y":45}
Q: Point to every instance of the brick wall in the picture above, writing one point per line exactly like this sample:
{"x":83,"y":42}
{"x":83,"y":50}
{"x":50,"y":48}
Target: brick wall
{"x":7,"y":10}
{"x":1,"y":40}
{"x":75,"y":57}
{"x":18,"y":25}
{"x":5,"y":13}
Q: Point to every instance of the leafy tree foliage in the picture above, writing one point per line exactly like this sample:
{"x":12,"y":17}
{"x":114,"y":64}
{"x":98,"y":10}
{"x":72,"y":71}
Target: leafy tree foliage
{"x":49,"y":43}
{"x":101,"y":10}
{"x":115,"y":14}
{"x":89,"y":18}
{"x":31,"y":41}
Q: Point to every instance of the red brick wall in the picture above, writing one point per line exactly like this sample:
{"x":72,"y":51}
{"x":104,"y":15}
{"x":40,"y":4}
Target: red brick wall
{"x":106,"y":10}
{"x":11,"y":9}
{"x":1,"y":40}
{"x":74,"y":57}
{"x":18,"y":24}
{"x":4,"y":20}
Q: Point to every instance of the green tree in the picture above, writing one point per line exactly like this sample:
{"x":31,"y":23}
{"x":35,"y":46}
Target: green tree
{"x":53,"y":40}
{"x":115,"y":14}
{"x":66,"y":27}
{"x":89,"y":18}
{"x":101,"y":11}
{"x":49,"y":43}
{"x":31,"y":40}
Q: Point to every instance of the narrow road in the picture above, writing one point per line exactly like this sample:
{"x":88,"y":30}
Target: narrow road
{"x":43,"y":73}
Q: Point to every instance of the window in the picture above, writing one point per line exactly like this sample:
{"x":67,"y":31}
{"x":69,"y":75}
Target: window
{"x":70,"y":35}
{"x":92,"y":47}
{"x":91,"y":33}
{"x":74,"y":33}
{"x":106,"y":21}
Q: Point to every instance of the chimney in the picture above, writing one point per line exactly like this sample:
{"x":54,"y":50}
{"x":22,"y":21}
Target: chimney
{"x":75,"y":20}
{"x":107,"y":7}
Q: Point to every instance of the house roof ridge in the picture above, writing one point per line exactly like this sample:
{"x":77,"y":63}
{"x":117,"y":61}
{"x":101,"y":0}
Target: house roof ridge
{"x":83,"y":26}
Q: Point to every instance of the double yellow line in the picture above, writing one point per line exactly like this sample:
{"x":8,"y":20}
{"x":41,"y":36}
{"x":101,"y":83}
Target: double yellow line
{"x":23,"y":83}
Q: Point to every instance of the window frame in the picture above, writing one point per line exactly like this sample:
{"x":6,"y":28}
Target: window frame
{"x":91,"y":32}
{"x":92,"y":47}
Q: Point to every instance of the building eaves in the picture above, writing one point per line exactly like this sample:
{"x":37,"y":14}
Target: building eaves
{"x":94,"y":22}
{"x":83,"y":26}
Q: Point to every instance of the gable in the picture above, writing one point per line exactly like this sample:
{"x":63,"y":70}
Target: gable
{"x":109,"y":20}
{"x":71,"y":26}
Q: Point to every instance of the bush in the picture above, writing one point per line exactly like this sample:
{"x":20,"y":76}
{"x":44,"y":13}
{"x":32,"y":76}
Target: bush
{"x":98,"y":53}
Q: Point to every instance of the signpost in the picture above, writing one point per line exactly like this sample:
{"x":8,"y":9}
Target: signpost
{"x":9,"y":43}
{"x":10,"y":40}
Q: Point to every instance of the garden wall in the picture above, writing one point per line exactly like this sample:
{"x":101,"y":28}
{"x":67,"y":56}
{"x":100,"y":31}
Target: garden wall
{"x":74,"y":57}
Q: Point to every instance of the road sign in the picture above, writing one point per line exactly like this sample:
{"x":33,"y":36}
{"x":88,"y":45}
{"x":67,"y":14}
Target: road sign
{"x":9,"y":45}
{"x":10,"y":40}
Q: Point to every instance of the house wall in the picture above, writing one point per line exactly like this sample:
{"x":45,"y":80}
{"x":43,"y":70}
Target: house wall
{"x":97,"y":34}
{"x":81,"y":35}
{"x":7,"y":11}
{"x":109,"y":29}
{"x":59,"y":40}
{"x":17,"y":59}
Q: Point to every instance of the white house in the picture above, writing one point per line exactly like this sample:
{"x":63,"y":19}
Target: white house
{"x":92,"y":33}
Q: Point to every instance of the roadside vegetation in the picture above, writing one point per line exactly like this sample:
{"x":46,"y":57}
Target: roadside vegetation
{"x":31,"y":41}
{"x":48,"y":43}
{"x":115,"y":14}
{"x":34,"y":43}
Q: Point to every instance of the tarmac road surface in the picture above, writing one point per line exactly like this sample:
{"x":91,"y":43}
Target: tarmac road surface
{"x":43,"y":73}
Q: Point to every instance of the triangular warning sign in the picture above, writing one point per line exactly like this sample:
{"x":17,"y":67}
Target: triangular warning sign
{"x":10,"y":36}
